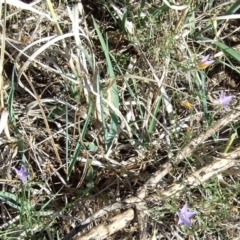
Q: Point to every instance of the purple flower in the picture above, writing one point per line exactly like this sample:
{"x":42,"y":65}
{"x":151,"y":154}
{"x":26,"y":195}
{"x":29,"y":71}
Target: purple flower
{"x":22,"y":174}
{"x":224,"y":100}
{"x":185,"y":215}
{"x":204,"y":62}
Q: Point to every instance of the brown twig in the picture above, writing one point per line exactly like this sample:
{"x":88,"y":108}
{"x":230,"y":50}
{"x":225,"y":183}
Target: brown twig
{"x":196,"y":178}
{"x":116,"y":223}
{"x":90,"y":219}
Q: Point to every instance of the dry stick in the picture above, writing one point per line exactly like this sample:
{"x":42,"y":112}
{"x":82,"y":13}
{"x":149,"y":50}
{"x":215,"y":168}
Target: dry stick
{"x":232,"y":155}
{"x":116,"y":223}
{"x":90,"y":219}
{"x":167,"y":167}
{"x":202,"y":175}
{"x":235,"y":154}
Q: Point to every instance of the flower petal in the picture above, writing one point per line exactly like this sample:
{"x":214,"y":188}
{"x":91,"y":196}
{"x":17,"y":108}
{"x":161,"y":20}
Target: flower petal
{"x":204,"y":59}
{"x":190,"y":214}
{"x":22,"y":174}
{"x":222,"y":95}
{"x":184,"y":209}
{"x":187,"y":222}
{"x":224,"y":100}
{"x":180,"y":221}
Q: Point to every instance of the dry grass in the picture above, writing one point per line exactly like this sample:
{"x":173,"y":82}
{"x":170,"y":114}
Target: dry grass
{"x":104,"y":105}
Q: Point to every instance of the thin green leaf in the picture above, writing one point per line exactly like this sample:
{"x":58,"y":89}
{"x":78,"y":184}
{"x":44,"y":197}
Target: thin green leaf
{"x":228,"y":50}
{"x":80,"y":141}
{"x":112,"y":91}
{"x":13,"y":200}
{"x":91,"y":146}
{"x":202,"y":95}
{"x":153,"y":120}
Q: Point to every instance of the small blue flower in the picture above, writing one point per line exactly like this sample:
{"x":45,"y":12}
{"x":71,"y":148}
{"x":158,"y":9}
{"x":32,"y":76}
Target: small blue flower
{"x":22,"y":174}
{"x":204,"y":62}
{"x":223,"y":100}
{"x":185,"y":215}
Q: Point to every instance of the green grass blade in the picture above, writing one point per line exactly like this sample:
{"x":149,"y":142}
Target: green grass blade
{"x":13,"y":200}
{"x":66,"y":140}
{"x":153,"y":120}
{"x":202,"y":95}
{"x":112,"y":91}
{"x":230,"y":52}
{"x":80,"y":141}
{"x":11,"y":98}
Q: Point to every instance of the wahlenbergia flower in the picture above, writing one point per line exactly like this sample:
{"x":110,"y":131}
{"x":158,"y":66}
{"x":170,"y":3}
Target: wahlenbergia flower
{"x":204,"y":62}
{"x":22,"y":174}
{"x":185,"y":215}
{"x":224,"y":100}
